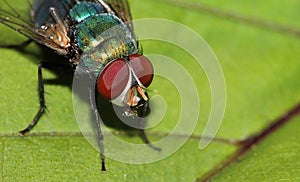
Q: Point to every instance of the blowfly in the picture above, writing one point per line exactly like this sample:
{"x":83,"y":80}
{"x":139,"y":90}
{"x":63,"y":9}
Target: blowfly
{"x":73,"y":28}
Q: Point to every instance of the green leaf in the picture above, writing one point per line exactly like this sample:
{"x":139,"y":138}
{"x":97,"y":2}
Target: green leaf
{"x":275,"y":159}
{"x":261,"y":68}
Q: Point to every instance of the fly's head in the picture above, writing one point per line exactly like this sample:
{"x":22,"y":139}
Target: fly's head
{"x":124,"y":82}
{"x":138,"y":102}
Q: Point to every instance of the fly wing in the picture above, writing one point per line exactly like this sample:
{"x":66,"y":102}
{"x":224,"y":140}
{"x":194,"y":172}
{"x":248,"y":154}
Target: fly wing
{"x":40,"y":10}
{"x":10,"y":17}
{"x":122,"y":9}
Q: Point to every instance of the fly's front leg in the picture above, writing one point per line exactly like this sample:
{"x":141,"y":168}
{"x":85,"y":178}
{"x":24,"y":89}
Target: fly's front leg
{"x":98,"y":127}
{"x":42,"y":101}
{"x":19,"y":47}
{"x":144,"y":136}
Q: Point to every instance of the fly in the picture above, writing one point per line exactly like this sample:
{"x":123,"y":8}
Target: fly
{"x":72,"y":29}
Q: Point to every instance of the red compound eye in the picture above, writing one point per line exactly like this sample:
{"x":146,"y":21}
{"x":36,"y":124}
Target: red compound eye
{"x":113,"y":79}
{"x":142,"y":68}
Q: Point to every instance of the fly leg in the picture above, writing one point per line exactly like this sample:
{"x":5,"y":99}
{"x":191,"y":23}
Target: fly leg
{"x":98,"y":127}
{"x":145,"y":138}
{"x":84,"y":86}
{"x":42,"y":101}
{"x":19,"y":47}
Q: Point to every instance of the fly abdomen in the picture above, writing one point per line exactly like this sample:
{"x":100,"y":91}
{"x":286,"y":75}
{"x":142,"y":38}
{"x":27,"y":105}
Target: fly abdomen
{"x":84,"y":10}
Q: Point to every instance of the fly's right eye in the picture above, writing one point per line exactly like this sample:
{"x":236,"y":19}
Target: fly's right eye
{"x":142,"y":68}
{"x":113,"y":79}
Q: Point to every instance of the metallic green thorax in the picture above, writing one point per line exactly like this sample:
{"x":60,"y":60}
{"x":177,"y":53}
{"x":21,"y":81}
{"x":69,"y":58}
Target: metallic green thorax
{"x":102,"y":37}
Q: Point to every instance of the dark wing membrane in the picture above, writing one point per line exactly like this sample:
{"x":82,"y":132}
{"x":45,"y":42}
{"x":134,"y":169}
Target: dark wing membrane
{"x":12,"y":19}
{"x":40,"y":10}
{"x":122,"y":9}
{"x":20,"y":24}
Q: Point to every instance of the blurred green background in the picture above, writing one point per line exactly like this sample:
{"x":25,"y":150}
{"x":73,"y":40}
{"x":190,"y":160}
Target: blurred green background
{"x":261,"y":68}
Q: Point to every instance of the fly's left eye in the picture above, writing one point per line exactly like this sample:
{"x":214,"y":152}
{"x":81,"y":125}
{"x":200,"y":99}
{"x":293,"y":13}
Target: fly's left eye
{"x":113,"y":79}
{"x":142,"y":68}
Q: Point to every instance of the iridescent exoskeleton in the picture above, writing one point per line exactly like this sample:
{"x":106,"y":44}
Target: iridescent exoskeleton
{"x":98,"y":34}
